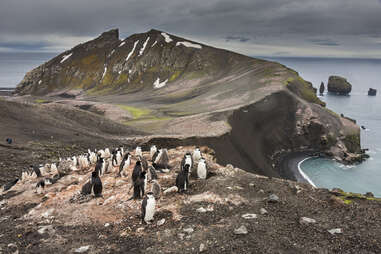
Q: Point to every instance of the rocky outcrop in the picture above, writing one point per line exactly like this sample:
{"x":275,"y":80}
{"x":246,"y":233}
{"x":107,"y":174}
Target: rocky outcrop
{"x":372,"y":92}
{"x":322,"y":88}
{"x":339,"y":85}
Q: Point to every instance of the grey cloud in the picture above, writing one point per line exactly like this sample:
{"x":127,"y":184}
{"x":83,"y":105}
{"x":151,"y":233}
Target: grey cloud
{"x":236,"y":38}
{"x":274,"y":22}
{"x":324,"y":42}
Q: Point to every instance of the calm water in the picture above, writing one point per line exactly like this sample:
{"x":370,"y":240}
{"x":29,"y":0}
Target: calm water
{"x":13,"y":66}
{"x":362,"y":74}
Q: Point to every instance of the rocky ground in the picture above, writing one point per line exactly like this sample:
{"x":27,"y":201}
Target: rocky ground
{"x":232,"y":211}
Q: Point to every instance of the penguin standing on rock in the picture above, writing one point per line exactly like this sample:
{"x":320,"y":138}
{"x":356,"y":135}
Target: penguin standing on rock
{"x":40,"y":186}
{"x":187,"y":159}
{"x":138,"y":151}
{"x":136,"y":172}
{"x":36,"y":170}
{"x":202,"y":171}
{"x":196,"y":154}
{"x":96,"y":184}
{"x":153,"y":150}
{"x":124,"y":165}
{"x":99,"y":166}
{"x":139,"y":186}
{"x":144,"y":162}
{"x":182,"y":181}
{"x":148,"y":208}
{"x":152,"y":173}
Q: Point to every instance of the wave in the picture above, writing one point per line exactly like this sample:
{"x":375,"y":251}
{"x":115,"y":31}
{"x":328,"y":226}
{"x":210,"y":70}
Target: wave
{"x":303,"y":174}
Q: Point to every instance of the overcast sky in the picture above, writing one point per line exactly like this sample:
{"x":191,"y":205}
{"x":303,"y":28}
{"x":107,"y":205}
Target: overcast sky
{"x":326,"y":28}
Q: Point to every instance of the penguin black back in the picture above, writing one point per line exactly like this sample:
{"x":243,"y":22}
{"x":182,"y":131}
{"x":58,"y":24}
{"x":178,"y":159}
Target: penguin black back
{"x":41,"y":184}
{"x":182,"y":181}
{"x":98,"y":166}
{"x":86,"y":188}
{"x":139,"y":186}
{"x":37,"y":171}
{"x":152,"y":172}
{"x":154,"y":156}
{"x":96,"y":184}
{"x":136,"y":172}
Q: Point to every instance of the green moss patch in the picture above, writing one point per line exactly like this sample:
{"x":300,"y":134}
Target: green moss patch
{"x":41,"y":101}
{"x":303,"y":89}
{"x":136,"y":113}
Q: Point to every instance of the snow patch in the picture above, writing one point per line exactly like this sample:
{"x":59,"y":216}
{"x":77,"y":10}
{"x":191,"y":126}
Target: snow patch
{"x":132,"y":51}
{"x":166,"y":37}
{"x":153,"y":44}
{"x":65,"y":57}
{"x":189,"y":44}
{"x":157,"y":83}
{"x":104,"y":72}
{"x":120,"y":45}
{"x":144,"y":47}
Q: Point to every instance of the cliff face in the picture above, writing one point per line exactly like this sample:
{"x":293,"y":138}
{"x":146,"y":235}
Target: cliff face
{"x":171,"y":86}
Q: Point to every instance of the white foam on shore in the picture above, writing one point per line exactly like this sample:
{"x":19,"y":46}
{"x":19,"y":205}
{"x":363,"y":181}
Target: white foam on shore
{"x":303,"y":174}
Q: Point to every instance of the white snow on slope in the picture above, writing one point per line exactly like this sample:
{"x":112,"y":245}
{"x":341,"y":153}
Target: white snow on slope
{"x":132,"y":51}
{"x":166,"y":37}
{"x":104,"y":72}
{"x":144,"y":46}
{"x":122,"y":44}
{"x":189,"y":44}
{"x":65,"y":57}
{"x":153,"y":44}
{"x":157,"y":83}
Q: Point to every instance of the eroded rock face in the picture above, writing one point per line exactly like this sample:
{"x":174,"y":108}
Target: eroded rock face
{"x":339,"y":85}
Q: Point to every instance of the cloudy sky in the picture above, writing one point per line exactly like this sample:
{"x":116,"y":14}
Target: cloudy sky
{"x":326,"y":28}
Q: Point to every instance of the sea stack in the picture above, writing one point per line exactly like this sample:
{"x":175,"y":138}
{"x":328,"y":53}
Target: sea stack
{"x":322,"y":88}
{"x":372,"y":92}
{"x":339,"y":85}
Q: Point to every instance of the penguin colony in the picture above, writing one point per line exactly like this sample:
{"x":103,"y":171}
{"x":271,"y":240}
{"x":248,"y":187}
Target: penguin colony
{"x":117,"y":162}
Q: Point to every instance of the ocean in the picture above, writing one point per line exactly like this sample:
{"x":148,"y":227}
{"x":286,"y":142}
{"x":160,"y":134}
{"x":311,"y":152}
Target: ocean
{"x":361,"y":73}
{"x":13,"y":66}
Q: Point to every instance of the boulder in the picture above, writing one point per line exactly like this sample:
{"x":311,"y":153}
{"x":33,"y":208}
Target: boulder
{"x":372,"y":92}
{"x":242,"y":230}
{"x":339,"y":85}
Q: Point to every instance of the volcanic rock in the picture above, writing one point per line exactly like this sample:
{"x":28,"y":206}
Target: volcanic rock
{"x":339,"y":85}
{"x":372,"y":92}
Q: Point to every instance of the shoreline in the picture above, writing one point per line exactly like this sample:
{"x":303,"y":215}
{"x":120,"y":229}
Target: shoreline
{"x":289,"y":167}
{"x":304,"y":175}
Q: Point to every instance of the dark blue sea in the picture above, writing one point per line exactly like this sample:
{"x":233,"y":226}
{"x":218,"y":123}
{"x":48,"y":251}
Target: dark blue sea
{"x":361,"y":73}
